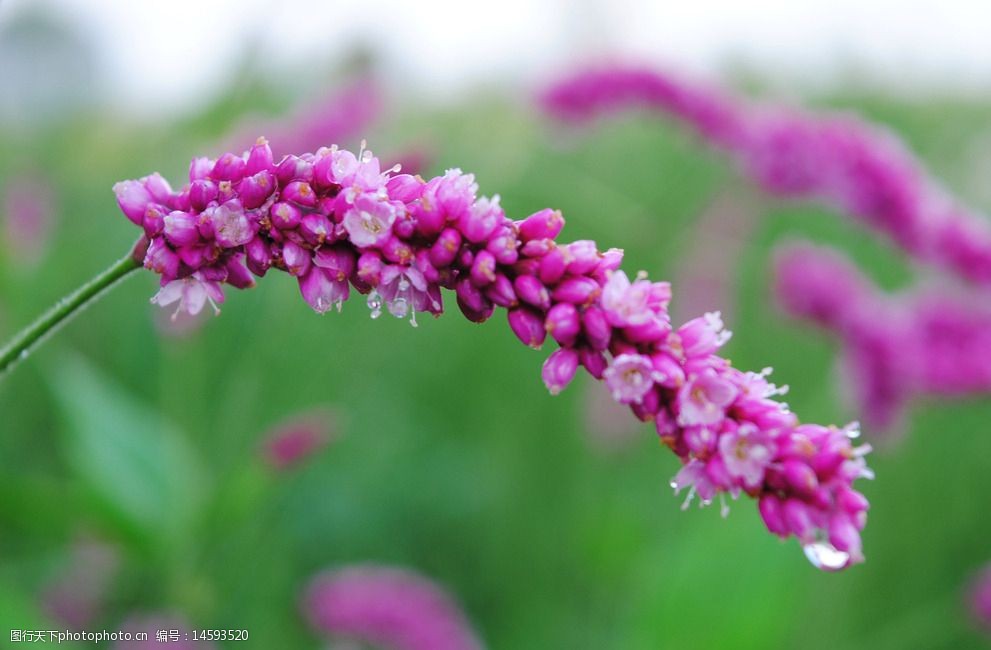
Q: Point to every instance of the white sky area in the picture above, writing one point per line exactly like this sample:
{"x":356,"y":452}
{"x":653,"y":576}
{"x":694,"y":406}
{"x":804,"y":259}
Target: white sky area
{"x":162,"y":55}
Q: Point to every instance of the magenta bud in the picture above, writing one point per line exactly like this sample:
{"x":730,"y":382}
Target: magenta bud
{"x":430,"y":219}
{"x":843,"y":534}
{"x":228,"y":168}
{"x":300,"y":193}
{"x":422,"y":262}
{"x":545,"y":224}
{"x":370,"y":268}
{"x":483,"y":269}
{"x":397,"y":251}
{"x":296,"y":258}
{"x":577,"y":290}
{"x":285,"y":216}
{"x":528,"y":326}
{"x":552,"y":266}
{"x":648,"y":406}
{"x":225,"y":191}
{"x":649,"y":332}
{"x":469,"y":295}
{"x":799,"y":520}
{"x":199,"y":169}
{"x":851,"y":501}
{"x":259,"y":158}
{"x":562,"y":323}
{"x":181,"y":228}
{"x":316,"y":229}
{"x":237,"y":275}
{"x":466,"y":257}
{"x":201,"y":193}
{"x":154,"y":220}
{"x":404,"y":187}
{"x":800,"y":476}
{"x":501,"y":291}
{"x":772,"y":512}
{"x":446,"y":248}
{"x":598,"y":332}
{"x":293,"y":168}
{"x":671,"y":373}
{"x":594,"y":362}
{"x":158,"y":188}
{"x":255,"y":190}
{"x":259,"y":256}
{"x":231,"y":226}
{"x":583,"y":257}
{"x":538,"y":247}
{"x":479,"y":222}
{"x":559,"y":369}
{"x":405,"y":225}
{"x":161,"y":259}
{"x":530,"y":290}
{"x":193,"y":256}
{"x":527,"y":266}
{"x":133,"y":198}
{"x":339,"y":261}
{"x":609,"y":262}
{"x":503,"y":246}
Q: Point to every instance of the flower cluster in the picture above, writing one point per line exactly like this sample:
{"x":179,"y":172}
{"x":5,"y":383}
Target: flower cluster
{"x":337,"y":222}
{"x":392,"y":608}
{"x":926,"y":341}
{"x":840,"y":160}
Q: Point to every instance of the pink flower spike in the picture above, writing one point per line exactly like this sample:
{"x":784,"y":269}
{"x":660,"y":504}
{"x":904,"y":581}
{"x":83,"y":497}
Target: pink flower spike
{"x":387,"y":607}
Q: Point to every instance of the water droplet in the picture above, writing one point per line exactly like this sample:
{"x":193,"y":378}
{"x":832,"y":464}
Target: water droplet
{"x":23,"y":355}
{"x":674,"y":484}
{"x":825,"y":556}
{"x":374,"y":303}
{"x":399,"y":308}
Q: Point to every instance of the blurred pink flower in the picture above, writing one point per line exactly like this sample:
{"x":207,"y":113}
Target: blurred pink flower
{"x":389,"y":607}
{"x":856,"y":167}
{"x":979,"y":598}
{"x":897,"y":347}
{"x":28,"y":212}
{"x":291,"y":442}
{"x":79,"y":592}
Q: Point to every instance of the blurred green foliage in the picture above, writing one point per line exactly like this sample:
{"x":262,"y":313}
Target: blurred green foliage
{"x":454,"y":460}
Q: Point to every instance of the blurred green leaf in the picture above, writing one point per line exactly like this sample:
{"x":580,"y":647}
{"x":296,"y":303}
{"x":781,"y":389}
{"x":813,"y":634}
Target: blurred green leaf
{"x":137,"y":465}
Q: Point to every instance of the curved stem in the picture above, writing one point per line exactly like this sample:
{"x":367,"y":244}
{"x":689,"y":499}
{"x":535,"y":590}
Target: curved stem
{"x":22,"y":343}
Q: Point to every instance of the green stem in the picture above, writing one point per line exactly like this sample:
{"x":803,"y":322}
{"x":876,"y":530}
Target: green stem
{"x":22,"y":343}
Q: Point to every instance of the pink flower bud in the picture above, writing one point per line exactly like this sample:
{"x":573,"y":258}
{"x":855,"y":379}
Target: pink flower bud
{"x":315,"y":228}
{"x":596,"y":326}
{"x":772,"y":512}
{"x":559,"y":369}
{"x":552,"y":266}
{"x":300,"y":193}
{"x":370,"y":268}
{"x":293,"y":168}
{"x":397,"y":251}
{"x":255,"y":190}
{"x":339,"y":261}
{"x":180,"y":228}
{"x":503,"y":246}
{"x":296,"y":258}
{"x":577,"y":290}
{"x":161,"y":259}
{"x":528,"y":326}
{"x":446,"y":248}
{"x":201,"y":193}
{"x":545,"y":224}
{"x":259,"y":257}
{"x":483,"y":269}
{"x":583,"y":257}
{"x":501,"y":291}
{"x":479,"y":222}
{"x":530,"y":290}
{"x":228,"y":167}
{"x":285,"y":216}
{"x":404,"y":187}
{"x":199,"y":169}
{"x":563,"y":324}
{"x":594,"y":362}
{"x":133,"y":199}
{"x":259,"y":158}
{"x":800,"y":476}
{"x":796,"y":515}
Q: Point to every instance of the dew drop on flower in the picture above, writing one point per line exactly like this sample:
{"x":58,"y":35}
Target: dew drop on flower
{"x":374,"y":303}
{"x":399,"y":307}
{"x":825,"y":556}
